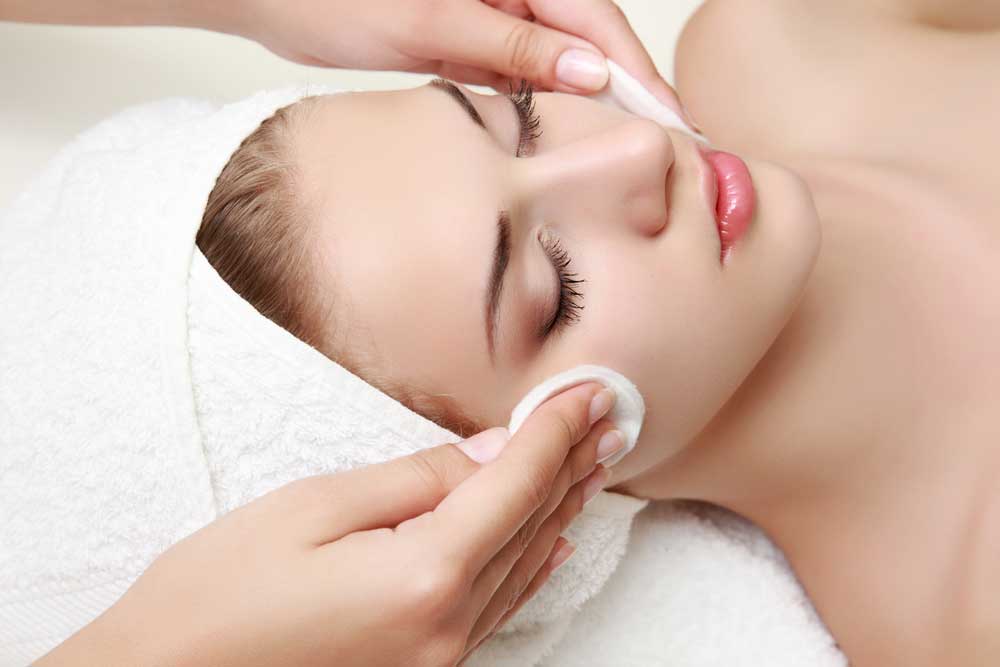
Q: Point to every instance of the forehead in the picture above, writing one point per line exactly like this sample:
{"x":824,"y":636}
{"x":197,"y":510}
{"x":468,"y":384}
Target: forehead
{"x":403,"y":197}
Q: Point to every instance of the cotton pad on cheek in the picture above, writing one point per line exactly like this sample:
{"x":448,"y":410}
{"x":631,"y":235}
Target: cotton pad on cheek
{"x":627,"y":413}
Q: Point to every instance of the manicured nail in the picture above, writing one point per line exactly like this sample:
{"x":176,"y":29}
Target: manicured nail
{"x":486,"y":445}
{"x":600,"y":404}
{"x":609,"y":444}
{"x":579,"y":68}
{"x":595,"y":483}
{"x":562,"y":555}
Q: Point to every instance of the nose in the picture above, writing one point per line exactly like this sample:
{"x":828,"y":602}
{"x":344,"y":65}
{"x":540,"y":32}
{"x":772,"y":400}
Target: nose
{"x":617,"y":175}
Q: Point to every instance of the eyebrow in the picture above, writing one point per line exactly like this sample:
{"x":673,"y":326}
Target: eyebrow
{"x":463,"y":100}
{"x":501,"y":251}
{"x":494,"y":286}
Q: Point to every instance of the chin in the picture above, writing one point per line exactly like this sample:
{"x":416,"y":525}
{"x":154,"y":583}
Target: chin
{"x":789,"y":221}
{"x":767,"y":274}
{"x":779,"y":252}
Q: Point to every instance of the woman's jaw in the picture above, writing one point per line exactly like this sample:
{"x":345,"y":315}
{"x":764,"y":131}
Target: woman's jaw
{"x":462,"y":274}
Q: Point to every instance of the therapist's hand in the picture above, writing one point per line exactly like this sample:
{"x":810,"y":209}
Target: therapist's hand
{"x":555,"y":44}
{"x":412,"y":562}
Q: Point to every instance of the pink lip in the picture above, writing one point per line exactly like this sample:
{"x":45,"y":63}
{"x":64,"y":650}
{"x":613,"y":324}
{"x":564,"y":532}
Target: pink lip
{"x":732,"y":195}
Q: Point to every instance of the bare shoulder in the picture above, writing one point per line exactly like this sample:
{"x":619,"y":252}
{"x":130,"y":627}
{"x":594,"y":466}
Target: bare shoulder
{"x":966,"y":15}
{"x":780,"y":79}
{"x":740,"y":66}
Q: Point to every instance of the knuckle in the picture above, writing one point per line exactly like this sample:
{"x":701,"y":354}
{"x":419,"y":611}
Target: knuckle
{"x":570,"y":427}
{"x":571,"y":506}
{"x":584,"y":457}
{"x":536,"y":488}
{"x":432,"y":593}
{"x":514,"y":594}
{"x":560,"y":487}
{"x":526,"y":533}
{"x":424,"y":466}
{"x":524,"y":49}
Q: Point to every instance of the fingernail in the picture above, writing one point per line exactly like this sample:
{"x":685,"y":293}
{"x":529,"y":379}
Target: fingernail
{"x":486,"y":445}
{"x":561,"y":556}
{"x":594,"y":484}
{"x":579,"y":68}
{"x":600,"y":404}
{"x":609,"y":444}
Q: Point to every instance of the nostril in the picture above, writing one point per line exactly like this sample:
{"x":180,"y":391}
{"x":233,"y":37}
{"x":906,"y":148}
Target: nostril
{"x":647,"y":212}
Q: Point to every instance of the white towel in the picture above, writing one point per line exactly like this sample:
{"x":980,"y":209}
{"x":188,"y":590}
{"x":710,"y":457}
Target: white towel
{"x":698,"y":587}
{"x":141,"y":397}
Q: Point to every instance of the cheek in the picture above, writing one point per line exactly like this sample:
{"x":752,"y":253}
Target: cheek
{"x":675,"y":335}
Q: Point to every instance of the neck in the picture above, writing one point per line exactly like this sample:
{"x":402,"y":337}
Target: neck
{"x":794,"y":425}
{"x":846,"y":445}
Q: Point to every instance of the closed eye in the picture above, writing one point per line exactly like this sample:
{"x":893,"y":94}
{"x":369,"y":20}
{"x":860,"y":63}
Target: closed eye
{"x":530,"y":122}
{"x":569,"y":304}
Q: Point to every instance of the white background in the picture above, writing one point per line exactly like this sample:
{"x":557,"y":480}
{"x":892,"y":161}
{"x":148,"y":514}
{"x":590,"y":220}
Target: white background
{"x":56,"y":81}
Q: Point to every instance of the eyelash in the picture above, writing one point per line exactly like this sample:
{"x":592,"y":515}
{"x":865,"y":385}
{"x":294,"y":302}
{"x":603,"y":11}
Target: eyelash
{"x":531,"y":125}
{"x":570,"y":297}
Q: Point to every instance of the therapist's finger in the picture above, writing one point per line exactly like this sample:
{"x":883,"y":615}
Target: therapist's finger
{"x":387,"y":494}
{"x":560,"y":553}
{"x":477,"y":35}
{"x":469,"y":75}
{"x":604,"y":24}
{"x":516,"y":583}
{"x":496,"y":501}
{"x":580,"y":463}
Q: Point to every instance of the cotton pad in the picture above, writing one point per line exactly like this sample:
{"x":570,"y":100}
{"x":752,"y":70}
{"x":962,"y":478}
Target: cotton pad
{"x":627,"y":414}
{"x":626,"y":93}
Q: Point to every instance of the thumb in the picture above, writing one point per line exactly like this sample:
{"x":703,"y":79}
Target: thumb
{"x":477,"y":35}
{"x":385,"y":495}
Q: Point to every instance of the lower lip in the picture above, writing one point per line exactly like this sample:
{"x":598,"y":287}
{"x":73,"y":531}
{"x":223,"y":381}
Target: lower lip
{"x":735,"y":202}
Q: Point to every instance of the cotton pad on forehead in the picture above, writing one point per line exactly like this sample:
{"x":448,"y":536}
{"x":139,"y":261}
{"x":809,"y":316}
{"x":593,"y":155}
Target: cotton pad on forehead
{"x":627,"y":414}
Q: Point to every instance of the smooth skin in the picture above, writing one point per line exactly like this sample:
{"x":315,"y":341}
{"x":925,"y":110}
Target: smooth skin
{"x":835,"y":382}
{"x":333,"y":570}
{"x":503,"y":527}
{"x":865,"y":443}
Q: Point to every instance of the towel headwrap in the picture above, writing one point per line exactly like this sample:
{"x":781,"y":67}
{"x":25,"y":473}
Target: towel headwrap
{"x":142,"y":397}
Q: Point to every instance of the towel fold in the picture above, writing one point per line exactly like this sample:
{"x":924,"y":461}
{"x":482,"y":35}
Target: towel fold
{"x":142,"y":398}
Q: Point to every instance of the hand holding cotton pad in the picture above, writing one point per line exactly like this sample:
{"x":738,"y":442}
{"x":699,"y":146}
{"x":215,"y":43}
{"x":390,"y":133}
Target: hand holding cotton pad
{"x":625,"y":92}
{"x":627,"y":413}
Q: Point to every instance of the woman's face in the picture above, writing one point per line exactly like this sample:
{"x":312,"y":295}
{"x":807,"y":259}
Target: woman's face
{"x":467,"y":261}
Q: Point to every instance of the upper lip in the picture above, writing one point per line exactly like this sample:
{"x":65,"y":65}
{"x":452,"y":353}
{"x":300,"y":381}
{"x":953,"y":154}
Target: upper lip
{"x":708,"y":180}
{"x":709,"y":183}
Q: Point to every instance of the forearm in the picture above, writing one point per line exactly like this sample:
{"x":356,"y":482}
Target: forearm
{"x":211,"y":14}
